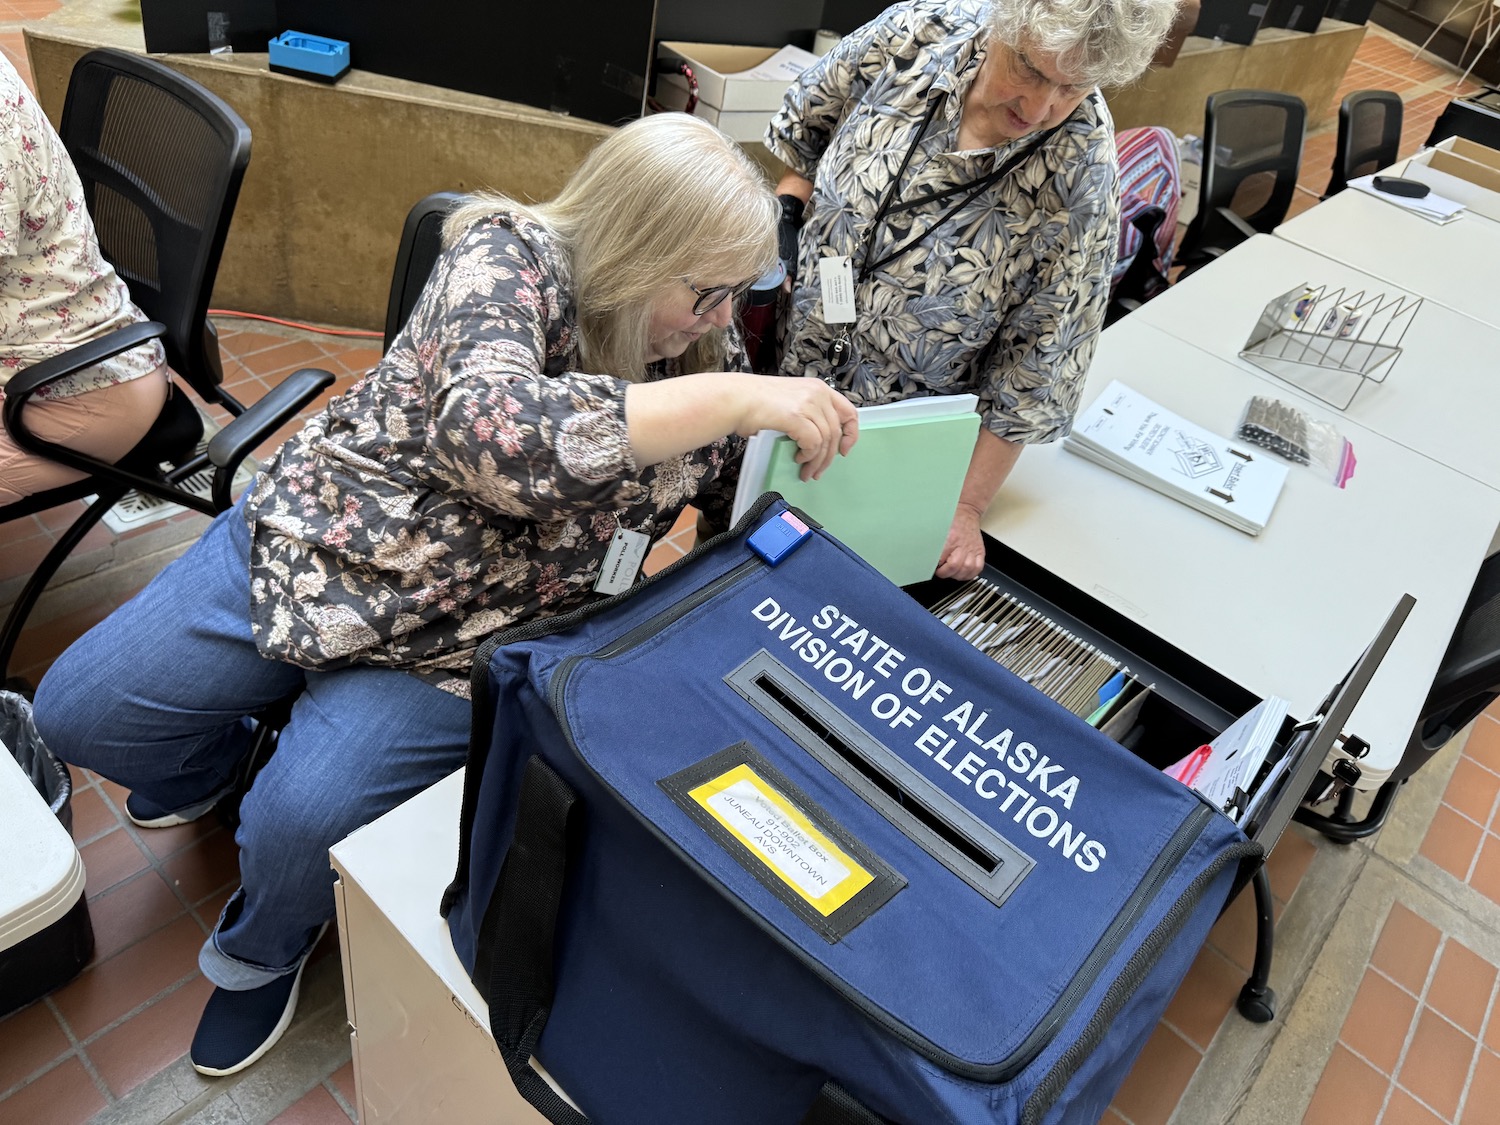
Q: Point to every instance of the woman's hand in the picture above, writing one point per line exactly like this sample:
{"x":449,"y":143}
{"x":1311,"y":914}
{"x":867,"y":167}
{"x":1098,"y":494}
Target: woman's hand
{"x":672,"y":416}
{"x":818,"y":418}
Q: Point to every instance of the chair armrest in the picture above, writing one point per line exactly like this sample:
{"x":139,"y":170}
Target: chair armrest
{"x":283,"y":402}
{"x":1236,"y":222}
{"x":24,"y":384}
{"x":261,"y":419}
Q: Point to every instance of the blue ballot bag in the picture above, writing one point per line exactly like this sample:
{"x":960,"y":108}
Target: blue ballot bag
{"x":763,"y":826}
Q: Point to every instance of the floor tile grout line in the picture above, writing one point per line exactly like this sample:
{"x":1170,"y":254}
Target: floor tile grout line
{"x":338,"y":1096}
{"x":83,"y":1055}
{"x":1492,"y":771}
{"x":1414,"y":1096}
{"x":120,"y":1021}
{"x":1383,"y":975}
{"x":1443,"y":944}
{"x":40,"y":1072}
{"x":154,"y":868}
{"x":1186,"y":1038}
{"x":1411,"y":1027}
{"x":1361,"y":1056}
{"x":1459,"y":812}
{"x":1463,"y":1095}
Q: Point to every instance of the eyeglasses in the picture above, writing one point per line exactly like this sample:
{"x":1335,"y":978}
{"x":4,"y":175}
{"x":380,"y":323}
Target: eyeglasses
{"x":715,"y":295}
{"x":1023,"y":72}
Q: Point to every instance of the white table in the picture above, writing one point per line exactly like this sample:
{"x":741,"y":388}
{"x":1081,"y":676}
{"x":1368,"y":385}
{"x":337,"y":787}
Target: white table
{"x":1286,"y":612}
{"x":1440,"y":397}
{"x":1457,"y":265}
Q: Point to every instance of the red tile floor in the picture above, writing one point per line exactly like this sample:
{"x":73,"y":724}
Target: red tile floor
{"x":1386,"y":966}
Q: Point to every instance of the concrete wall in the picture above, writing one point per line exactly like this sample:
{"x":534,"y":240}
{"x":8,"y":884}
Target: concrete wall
{"x":333,"y":169}
{"x":1310,"y":65}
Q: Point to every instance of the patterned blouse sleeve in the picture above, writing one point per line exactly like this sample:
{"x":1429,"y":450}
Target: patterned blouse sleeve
{"x":1031,"y":387}
{"x":715,"y":501}
{"x":500,"y":428}
{"x":816,"y":103}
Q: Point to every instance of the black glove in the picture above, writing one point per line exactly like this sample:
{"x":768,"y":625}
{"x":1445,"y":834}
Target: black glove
{"x":787,"y":230}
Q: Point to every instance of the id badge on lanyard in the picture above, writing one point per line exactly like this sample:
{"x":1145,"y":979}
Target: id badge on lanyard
{"x":837,"y":278}
{"x":622,"y":564}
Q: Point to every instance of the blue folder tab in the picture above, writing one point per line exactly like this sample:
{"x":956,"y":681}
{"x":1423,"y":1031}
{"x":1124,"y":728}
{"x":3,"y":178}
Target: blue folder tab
{"x":778,"y":537}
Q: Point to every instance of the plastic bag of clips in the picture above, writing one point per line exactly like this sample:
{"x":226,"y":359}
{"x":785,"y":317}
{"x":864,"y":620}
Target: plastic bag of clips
{"x":1291,"y":433}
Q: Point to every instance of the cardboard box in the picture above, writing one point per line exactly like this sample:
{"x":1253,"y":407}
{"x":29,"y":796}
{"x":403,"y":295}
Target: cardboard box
{"x":1460,"y":170}
{"x":733,"y":79}
{"x":744,"y":125}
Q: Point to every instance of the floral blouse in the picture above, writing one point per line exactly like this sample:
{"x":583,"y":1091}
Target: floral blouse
{"x":1006,"y":298}
{"x":56,"y":290}
{"x":472,"y":480}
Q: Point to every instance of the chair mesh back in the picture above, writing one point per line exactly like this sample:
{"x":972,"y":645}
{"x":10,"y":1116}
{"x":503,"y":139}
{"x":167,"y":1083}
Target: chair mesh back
{"x":161,"y":161}
{"x":1252,"y":149}
{"x":421,"y":243}
{"x":1369,"y":135}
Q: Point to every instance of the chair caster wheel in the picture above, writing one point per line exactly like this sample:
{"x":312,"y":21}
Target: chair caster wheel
{"x":1257,"y":1005}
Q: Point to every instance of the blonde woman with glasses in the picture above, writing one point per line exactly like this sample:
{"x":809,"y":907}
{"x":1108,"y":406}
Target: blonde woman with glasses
{"x":564,"y":387}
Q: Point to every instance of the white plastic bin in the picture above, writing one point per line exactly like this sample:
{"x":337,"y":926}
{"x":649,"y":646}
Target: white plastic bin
{"x":45,"y":934}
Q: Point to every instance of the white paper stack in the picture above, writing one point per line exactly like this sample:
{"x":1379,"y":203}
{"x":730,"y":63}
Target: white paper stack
{"x":786,"y":65}
{"x":1432,"y":206}
{"x":1235,"y":757}
{"x":1127,"y":432}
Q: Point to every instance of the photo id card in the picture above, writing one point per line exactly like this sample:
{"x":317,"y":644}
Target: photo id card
{"x":837,"y":276}
{"x":627,"y":550}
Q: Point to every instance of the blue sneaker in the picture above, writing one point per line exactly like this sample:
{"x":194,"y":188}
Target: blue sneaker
{"x":237,"y":1028}
{"x":146,"y":814}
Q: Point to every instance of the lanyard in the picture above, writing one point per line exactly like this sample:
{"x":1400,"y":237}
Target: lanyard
{"x":973,"y":187}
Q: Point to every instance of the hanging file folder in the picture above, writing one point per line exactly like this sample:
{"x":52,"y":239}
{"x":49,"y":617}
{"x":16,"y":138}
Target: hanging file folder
{"x":892,"y":499}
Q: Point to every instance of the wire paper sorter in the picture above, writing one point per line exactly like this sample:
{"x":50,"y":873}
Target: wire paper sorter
{"x":1330,"y":342}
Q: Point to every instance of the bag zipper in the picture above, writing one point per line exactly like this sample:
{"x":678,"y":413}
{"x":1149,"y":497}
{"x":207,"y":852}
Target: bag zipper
{"x":1145,"y":893}
{"x":1008,"y":1068}
{"x":648,"y":629}
{"x":1050,"y":1088}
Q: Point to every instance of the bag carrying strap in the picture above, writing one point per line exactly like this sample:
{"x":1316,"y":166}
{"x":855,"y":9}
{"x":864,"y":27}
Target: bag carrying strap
{"x":836,"y":1106}
{"x":513,"y":964}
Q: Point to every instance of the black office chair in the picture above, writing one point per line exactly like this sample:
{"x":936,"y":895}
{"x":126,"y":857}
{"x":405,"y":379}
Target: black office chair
{"x":421,"y":243}
{"x":1369,"y":136}
{"x":1252,"y":150}
{"x":1143,"y":278}
{"x":1467,"y":682}
{"x":161,"y":160}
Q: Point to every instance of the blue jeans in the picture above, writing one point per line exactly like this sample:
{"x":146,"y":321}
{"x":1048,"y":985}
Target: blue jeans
{"x":154,"y":697}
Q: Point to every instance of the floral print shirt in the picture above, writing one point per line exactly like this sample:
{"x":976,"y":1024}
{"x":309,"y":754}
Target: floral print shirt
{"x":472,"y":480}
{"x":56,"y":290}
{"x":1006,"y":298}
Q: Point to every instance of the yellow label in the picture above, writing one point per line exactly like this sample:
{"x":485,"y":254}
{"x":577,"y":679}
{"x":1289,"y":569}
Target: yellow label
{"x":777,"y":834}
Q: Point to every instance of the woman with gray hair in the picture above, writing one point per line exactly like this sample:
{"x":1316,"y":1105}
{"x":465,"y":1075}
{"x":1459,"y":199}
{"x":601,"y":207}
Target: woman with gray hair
{"x":557,"y":397}
{"x":955,"y":165}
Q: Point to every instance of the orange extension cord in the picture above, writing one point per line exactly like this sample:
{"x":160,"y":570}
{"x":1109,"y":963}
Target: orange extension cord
{"x":298,"y":324}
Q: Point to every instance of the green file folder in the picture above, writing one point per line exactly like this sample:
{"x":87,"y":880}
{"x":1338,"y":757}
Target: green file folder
{"x":892,"y":499}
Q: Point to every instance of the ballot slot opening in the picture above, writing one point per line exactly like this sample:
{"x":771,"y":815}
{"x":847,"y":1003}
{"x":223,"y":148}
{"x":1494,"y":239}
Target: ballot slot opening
{"x":947,"y":833}
{"x":952,"y":835}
